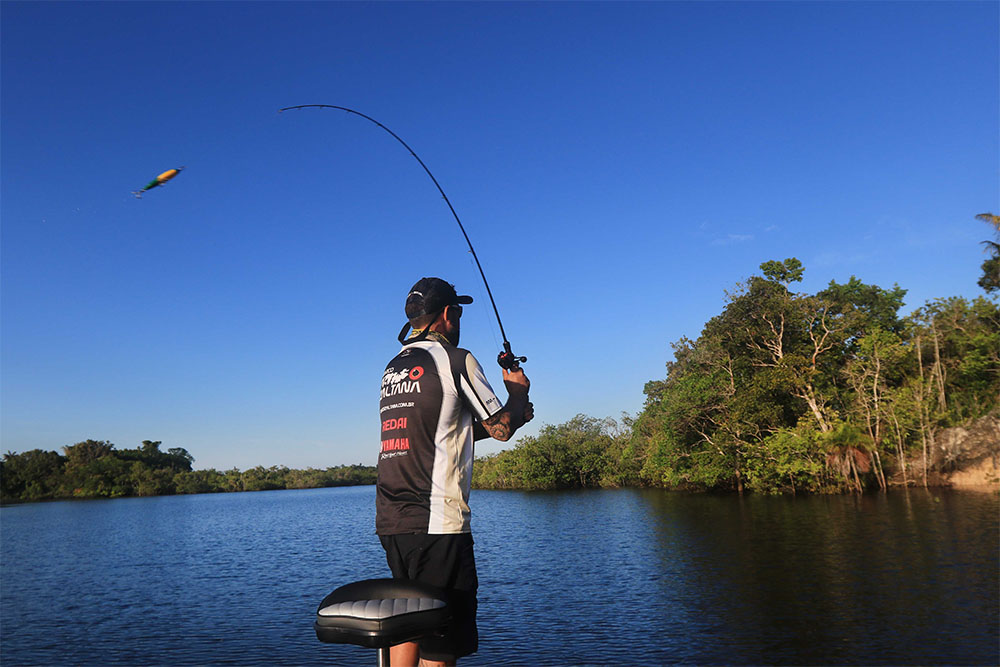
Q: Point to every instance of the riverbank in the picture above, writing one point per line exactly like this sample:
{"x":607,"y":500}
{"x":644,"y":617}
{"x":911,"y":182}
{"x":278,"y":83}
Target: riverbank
{"x":582,"y":453}
{"x":98,"y":469}
{"x":969,"y":458}
{"x":591,"y":453}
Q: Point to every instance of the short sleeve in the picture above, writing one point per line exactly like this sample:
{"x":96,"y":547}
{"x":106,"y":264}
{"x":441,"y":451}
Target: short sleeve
{"x":475,"y":389}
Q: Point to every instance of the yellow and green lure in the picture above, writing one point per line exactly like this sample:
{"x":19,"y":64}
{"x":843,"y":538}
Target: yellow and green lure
{"x":159,"y":180}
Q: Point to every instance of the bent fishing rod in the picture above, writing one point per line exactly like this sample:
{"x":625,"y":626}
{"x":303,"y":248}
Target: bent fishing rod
{"x":506,"y":359}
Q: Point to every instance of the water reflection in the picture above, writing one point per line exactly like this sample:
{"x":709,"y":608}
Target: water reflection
{"x":633,"y":577}
{"x":841,"y":579}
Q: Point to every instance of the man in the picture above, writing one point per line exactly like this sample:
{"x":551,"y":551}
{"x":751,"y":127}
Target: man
{"x":435,"y":402}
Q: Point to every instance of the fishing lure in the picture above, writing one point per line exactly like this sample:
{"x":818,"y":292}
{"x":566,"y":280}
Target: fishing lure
{"x":158,"y":181}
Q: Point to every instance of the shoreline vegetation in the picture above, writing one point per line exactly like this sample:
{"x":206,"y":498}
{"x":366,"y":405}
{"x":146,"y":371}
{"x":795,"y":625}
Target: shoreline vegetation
{"x":96,"y":469}
{"x":782,"y":392}
{"x":786,"y":392}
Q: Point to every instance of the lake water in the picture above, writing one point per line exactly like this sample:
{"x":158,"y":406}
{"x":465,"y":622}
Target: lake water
{"x":622,"y":577}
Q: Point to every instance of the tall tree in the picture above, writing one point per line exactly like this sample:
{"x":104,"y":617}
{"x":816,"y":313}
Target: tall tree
{"x":990,"y":280}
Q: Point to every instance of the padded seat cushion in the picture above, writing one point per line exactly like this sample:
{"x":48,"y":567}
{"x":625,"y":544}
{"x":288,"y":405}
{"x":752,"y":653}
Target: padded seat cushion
{"x":382,"y":612}
{"x":380,"y":608}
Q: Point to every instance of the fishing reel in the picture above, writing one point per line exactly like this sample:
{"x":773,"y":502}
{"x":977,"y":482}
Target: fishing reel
{"x":507,"y":360}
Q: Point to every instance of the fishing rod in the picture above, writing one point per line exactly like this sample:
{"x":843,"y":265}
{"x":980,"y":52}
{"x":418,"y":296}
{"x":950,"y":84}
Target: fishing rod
{"x":506,"y":359}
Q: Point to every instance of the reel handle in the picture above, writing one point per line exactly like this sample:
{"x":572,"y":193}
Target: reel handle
{"x":507,"y":360}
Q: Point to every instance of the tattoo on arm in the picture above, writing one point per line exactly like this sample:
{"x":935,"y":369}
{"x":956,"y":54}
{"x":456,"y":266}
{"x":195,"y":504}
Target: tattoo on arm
{"x":503,"y":424}
{"x":498,"y":426}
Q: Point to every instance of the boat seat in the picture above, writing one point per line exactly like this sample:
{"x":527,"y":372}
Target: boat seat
{"x":379,"y":613}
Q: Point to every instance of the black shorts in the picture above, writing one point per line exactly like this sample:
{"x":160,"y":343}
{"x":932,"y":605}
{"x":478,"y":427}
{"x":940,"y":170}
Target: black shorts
{"x":445,"y":561}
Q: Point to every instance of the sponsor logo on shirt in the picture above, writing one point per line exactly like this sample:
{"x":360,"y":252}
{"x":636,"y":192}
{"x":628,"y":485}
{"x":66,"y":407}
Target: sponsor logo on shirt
{"x":405,"y":381}
{"x":395,"y":445}
{"x":393,"y":424}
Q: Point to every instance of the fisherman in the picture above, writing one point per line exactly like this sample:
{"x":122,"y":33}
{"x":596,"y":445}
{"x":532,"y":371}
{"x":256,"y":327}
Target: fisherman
{"x":435,"y":402}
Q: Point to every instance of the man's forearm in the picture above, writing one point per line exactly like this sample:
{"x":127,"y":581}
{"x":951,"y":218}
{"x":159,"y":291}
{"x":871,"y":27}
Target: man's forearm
{"x":503,"y":424}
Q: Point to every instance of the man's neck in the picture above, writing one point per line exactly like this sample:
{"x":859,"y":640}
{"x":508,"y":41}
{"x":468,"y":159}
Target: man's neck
{"x":431,"y":335}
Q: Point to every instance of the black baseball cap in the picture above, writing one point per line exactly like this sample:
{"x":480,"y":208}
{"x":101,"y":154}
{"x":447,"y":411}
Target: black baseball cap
{"x":431,"y":295}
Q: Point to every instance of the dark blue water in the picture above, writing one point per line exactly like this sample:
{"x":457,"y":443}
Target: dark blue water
{"x":597,"y":577}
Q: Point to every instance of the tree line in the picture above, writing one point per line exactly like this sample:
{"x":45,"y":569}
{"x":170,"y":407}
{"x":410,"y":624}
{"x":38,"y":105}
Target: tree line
{"x":784,"y":392}
{"x":97,"y":469}
{"x":781,"y":392}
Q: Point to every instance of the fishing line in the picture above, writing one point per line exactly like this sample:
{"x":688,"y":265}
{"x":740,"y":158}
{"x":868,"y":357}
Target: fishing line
{"x":506,"y":359}
{"x":484,"y":312}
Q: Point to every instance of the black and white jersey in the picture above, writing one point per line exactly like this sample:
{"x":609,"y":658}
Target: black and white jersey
{"x":431,"y":393}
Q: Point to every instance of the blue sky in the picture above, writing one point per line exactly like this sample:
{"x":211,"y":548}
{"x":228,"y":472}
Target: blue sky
{"x":617,"y":166}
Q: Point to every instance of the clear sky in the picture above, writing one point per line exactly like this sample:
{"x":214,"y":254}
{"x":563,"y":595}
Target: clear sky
{"x":617,"y":166}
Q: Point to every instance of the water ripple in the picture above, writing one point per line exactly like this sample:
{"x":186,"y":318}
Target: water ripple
{"x":621,"y":577}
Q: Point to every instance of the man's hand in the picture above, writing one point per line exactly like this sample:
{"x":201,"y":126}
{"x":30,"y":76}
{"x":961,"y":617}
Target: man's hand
{"x":516,"y":381}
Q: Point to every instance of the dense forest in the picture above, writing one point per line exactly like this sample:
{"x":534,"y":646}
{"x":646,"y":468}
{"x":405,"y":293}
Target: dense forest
{"x":96,"y":469}
{"x":786,"y":392}
{"x":781,"y":392}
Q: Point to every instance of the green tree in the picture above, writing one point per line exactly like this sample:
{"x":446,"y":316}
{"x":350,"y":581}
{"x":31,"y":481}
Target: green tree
{"x":87,"y":451}
{"x":871,"y":305}
{"x":96,"y":469}
{"x":695,"y":426}
{"x":787,"y":461}
{"x":785,"y":273}
{"x":198,"y":481}
{"x":147,"y":481}
{"x":584,"y":452}
{"x":104,"y":477}
{"x":260,"y":478}
{"x":990,"y":280}
{"x":873,"y":374}
{"x":31,"y":475}
{"x":180,"y":458}
{"x":958,"y":350}
{"x":740,"y":404}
